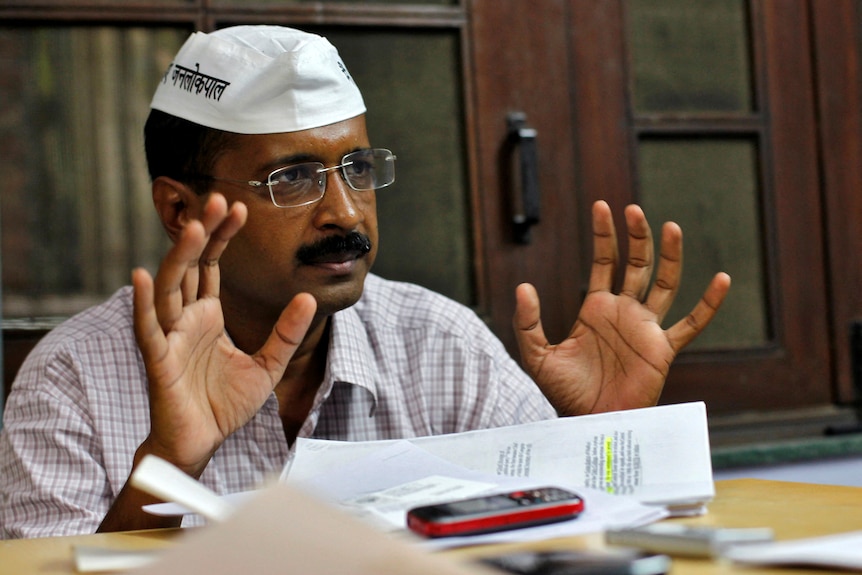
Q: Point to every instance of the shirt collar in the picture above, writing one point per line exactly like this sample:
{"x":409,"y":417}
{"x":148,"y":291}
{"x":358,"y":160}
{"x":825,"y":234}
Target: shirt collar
{"x":351,"y":355}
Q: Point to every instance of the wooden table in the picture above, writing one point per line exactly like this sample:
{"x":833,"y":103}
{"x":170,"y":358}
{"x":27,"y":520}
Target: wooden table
{"x":793,"y":510}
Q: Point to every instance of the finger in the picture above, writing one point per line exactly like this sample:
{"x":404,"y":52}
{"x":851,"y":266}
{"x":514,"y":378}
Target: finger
{"x":640,"y":258}
{"x":212,"y":215}
{"x":605,"y":249}
{"x":686,"y":329}
{"x":148,"y":333}
{"x":213,"y":212}
{"x":177,"y":276}
{"x":669,"y":271}
{"x":220,"y":236}
{"x":528,"y":322}
{"x":286,"y":336}
{"x":190,"y":283}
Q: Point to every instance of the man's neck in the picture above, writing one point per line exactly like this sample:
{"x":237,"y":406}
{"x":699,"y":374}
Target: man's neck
{"x":302,"y":380}
{"x":304,"y":373}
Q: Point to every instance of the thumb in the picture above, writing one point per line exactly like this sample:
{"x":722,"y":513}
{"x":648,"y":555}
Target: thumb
{"x":287,"y":334}
{"x":528,"y":322}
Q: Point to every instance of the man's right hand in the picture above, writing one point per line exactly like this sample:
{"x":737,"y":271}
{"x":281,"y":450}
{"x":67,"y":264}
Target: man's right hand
{"x":201,"y":387}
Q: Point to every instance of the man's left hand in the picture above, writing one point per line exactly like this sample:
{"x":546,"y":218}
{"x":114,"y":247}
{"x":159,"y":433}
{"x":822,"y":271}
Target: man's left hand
{"x":617,"y":355}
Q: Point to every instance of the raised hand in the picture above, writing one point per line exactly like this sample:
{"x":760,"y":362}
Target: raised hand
{"x":617,"y":355}
{"x":202,"y":388}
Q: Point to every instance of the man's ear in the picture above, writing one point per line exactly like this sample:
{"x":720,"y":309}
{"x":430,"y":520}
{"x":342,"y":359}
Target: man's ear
{"x":176,"y":204}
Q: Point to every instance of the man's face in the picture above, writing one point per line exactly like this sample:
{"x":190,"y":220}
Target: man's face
{"x":284,"y":251}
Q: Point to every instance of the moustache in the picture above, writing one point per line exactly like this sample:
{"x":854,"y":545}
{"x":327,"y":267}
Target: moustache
{"x":334,"y":246}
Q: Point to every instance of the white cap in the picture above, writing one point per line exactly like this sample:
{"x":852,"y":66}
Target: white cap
{"x":258,"y":80}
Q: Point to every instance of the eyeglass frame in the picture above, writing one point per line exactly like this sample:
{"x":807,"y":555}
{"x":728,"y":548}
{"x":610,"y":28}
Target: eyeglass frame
{"x":323,"y":169}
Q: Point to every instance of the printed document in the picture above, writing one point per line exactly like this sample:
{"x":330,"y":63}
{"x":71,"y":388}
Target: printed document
{"x":380,"y":487}
{"x":658,"y":455}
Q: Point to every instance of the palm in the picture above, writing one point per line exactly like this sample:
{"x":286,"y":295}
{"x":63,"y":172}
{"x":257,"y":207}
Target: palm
{"x":202,"y":388}
{"x":207,"y":387}
{"x":617,"y":355}
{"x":616,"y":348}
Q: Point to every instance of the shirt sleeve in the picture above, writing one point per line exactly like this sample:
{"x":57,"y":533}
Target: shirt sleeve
{"x":52,"y":480}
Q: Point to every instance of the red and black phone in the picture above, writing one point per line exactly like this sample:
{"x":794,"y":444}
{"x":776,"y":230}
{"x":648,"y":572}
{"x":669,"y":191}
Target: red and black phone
{"x":497,"y":512}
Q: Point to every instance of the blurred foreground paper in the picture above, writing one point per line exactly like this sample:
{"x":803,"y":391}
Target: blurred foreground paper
{"x":281,"y":530}
{"x":841,"y":551}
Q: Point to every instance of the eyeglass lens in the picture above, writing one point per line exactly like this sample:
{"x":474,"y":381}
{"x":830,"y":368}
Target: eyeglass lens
{"x":302,"y":184}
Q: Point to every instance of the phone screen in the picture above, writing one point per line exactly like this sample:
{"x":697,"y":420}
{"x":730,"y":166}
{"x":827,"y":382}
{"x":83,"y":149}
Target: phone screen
{"x":477,"y":505}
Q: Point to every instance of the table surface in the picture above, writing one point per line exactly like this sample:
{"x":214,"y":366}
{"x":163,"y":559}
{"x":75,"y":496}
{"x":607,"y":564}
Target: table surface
{"x":792,"y":510}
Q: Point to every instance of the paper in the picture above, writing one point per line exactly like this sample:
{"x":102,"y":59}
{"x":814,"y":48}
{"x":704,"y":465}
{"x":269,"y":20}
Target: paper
{"x":659,"y":455}
{"x":166,"y":481}
{"x":381,"y":486}
{"x":843,"y":551}
{"x":99,"y":559}
{"x":173,"y":508}
{"x":389,"y":506}
{"x":281,"y":530}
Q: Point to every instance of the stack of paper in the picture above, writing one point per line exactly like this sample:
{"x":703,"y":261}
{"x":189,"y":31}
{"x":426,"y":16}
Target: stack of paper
{"x":381,"y":486}
{"x":658,"y":455}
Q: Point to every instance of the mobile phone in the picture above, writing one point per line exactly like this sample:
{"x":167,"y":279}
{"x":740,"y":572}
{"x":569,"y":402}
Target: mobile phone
{"x":580,"y":562}
{"x":690,"y":540}
{"x":497,"y":512}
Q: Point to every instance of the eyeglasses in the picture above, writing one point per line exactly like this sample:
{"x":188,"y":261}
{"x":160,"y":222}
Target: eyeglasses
{"x":303,"y":184}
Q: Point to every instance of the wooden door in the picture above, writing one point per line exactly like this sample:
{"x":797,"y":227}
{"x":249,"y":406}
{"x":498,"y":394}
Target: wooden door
{"x":705,"y":113}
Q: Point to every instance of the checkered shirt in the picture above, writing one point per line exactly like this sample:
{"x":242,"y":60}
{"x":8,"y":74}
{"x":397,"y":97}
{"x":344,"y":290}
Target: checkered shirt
{"x":403,"y":362}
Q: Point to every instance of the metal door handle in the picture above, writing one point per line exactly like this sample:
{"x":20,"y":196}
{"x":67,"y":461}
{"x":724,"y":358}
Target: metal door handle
{"x":523,"y":141}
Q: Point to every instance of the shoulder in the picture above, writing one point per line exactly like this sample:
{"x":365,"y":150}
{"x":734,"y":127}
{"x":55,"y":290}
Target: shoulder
{"x":103,"y":333}
{"x":105,"y":318}
{"x":108,"y":322}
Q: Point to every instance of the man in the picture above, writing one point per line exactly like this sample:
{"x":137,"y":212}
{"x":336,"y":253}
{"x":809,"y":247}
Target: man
{"x":263,"y":323}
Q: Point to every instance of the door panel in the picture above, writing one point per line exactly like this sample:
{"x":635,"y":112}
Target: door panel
{"x":532,"y":80}
{"x":690,"y":56}
{"x":710,"y":187}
